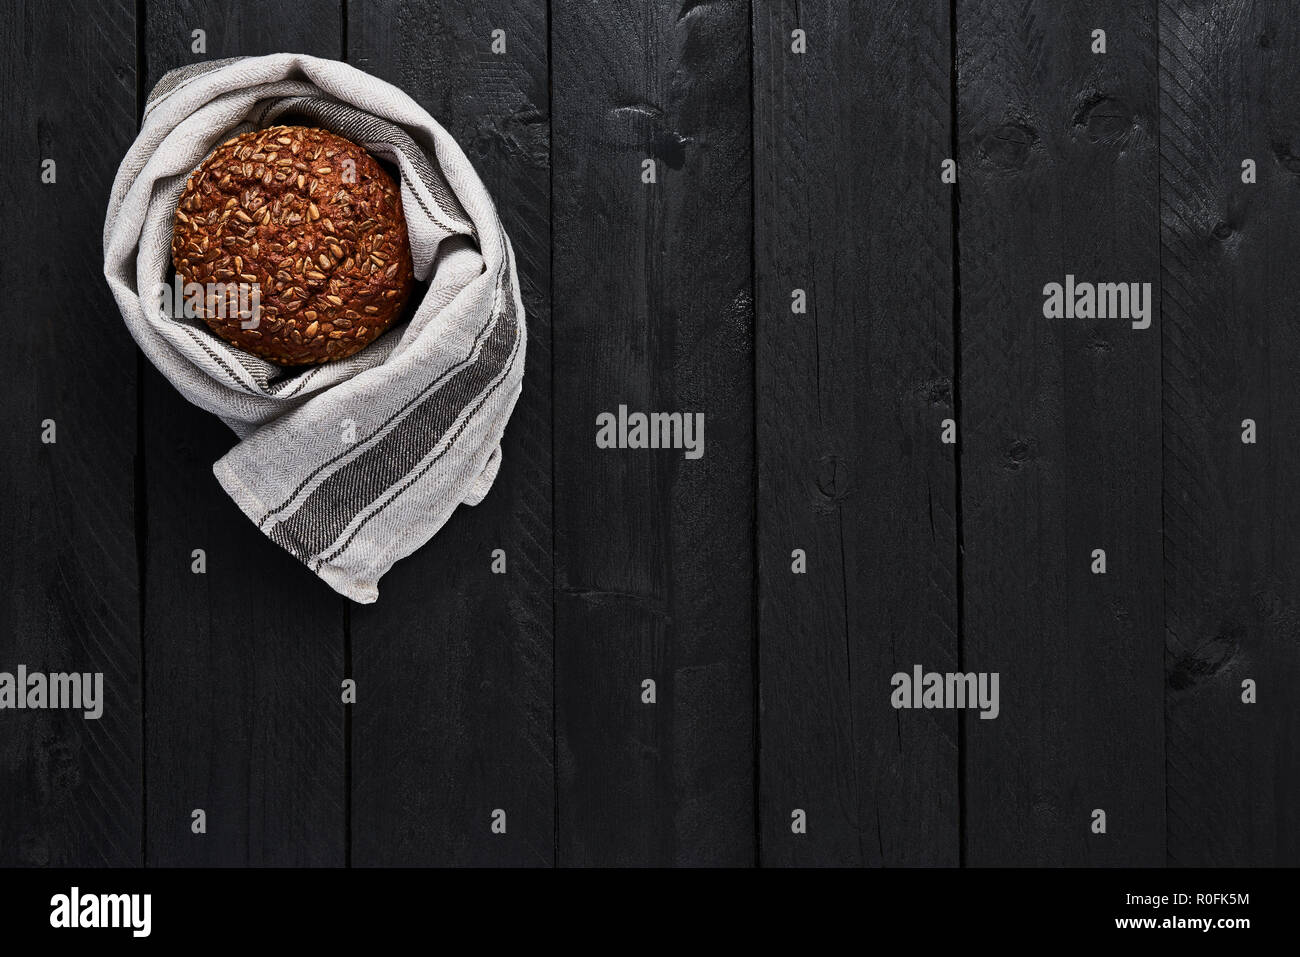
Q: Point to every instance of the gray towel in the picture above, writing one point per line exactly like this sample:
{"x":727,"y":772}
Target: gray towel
{"x":351,"y":465}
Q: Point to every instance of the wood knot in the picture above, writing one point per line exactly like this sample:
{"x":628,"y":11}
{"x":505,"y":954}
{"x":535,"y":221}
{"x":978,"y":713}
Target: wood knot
{"x":832,"y":477}
{"x":1008,"y":146}
{"x":1106,"y":118}
{"x":669,"y":147}
{"x":1019,"y":452}
{"x":644,"y":123}
{"x":1286,"y":158}
{"x":1206,"y":660}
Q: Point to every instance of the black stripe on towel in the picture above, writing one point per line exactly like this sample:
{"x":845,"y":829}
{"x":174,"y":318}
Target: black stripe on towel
{"x":335,"y":503}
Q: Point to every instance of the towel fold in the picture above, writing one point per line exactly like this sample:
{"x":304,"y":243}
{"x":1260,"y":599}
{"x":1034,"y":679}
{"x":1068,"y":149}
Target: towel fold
{"x":350,"y":465}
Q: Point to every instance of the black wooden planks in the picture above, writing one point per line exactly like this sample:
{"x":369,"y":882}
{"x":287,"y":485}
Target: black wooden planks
{"x":851,"y":215}
{"x":1060,"y":434}
{"x":1230,"y":79}
{"x":70,"y":792}
{"x":653,"y":310}
{"x":823,"y":434}
{"x":244,"y":718}
{"x":453,"y":663}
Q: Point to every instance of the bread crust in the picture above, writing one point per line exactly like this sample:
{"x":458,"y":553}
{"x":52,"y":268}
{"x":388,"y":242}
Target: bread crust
{"x":316,"y":223}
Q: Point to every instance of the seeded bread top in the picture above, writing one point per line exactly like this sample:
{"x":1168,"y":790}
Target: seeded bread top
{"x":316,"y":223}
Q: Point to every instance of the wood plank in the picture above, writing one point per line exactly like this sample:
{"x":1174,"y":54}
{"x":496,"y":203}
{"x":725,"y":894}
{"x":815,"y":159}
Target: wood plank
{"x":70,"y":790}
{"x":849,"y":139}
{"x":244,"y":663}
{"x":1230,"y":76}
{"x":653,"y":310}
{"x":453,"y":663}
{"x":1060,"y":434}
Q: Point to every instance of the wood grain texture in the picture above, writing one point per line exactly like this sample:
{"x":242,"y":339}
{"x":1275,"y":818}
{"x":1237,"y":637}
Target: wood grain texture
{"x":775,"y":171}
{"x":243,"y":664}
{"x":1230,"y":79}
{"x":453,"y":662}
{"x":849,"y":138}
{"x":1060,"y":434}
{"x":69,"y":787}
{"x":653,"y":309}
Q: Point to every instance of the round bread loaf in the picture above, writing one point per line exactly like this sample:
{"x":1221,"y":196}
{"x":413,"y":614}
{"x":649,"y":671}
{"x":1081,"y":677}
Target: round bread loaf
{"x":316,"y":223}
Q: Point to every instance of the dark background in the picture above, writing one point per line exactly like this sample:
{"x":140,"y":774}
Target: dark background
{"x":776,"y":171}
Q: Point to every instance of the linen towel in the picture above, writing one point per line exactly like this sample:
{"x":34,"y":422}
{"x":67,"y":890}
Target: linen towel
{"x":351,"y":465}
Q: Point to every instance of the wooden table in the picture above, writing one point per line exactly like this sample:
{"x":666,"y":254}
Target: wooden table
{"x":799,"y":271}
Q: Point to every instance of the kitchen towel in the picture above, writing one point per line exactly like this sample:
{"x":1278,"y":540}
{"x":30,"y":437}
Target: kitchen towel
{"x":355,"y":464}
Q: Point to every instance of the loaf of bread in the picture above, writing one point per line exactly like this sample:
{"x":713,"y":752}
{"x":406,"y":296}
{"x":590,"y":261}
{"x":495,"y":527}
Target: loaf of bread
{"x":316,"y":223}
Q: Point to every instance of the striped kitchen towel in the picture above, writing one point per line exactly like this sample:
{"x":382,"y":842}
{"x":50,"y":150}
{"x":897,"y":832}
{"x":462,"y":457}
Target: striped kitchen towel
{"x":351,"y":465}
